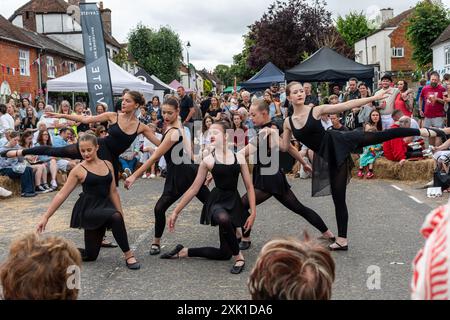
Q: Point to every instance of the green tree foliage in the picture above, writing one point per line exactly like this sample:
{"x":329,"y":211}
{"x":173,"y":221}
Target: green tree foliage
{"x":353,"y":27}
{"x":222,"y":72}
{"x":207,"y":86}
{"x":286,"y":30}
{"x":121,"y":57}
{"x":158,"y":52}
{"x":427,"y":22}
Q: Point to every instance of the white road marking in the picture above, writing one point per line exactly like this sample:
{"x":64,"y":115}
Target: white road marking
{"x":416,"y":200}
{"x":395,"y":187}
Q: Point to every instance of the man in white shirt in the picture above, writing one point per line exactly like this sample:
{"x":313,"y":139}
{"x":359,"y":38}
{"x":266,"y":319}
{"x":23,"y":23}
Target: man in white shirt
{"x":6,"y":120}
{"x":387,"y":105}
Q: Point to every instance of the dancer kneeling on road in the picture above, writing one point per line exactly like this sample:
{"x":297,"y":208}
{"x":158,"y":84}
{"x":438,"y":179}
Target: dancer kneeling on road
{"x":98,"y":207}
{"x":224,"y":207}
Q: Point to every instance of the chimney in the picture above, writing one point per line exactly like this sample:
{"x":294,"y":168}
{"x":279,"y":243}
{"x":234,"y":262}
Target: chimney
{"x":386,"y":14}
{"x":106,"y":18}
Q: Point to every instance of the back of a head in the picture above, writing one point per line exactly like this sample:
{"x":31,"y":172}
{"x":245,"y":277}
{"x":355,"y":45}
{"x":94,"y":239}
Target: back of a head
{"x":37,"y":269}
{"x":290,"y":269}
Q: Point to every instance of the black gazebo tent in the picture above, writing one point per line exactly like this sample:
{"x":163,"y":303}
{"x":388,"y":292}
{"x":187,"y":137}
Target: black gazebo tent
{"x":143,"y":74}
{"x":264,"y":78}
{"x":326,"y":65}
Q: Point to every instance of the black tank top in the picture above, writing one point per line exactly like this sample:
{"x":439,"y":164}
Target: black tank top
{"x":168,"y":155}
{"x":311,"y":134}
{"x":226,"y":176}
{"x":117,"y":140}
{"x":97,"y":186}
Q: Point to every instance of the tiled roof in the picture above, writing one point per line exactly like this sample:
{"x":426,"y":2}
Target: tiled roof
{"x":12,"y":33}
{"x":443,"y":37}
{"x":52,"y":45}
{"x":395,"y":21}
{"x":38,"y":6}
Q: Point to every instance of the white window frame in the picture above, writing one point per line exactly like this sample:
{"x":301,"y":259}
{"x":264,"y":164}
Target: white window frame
{"x":51,"y":73}
{"x":398,"y":52}
{"x":24,"y":62}
{"x":374,"y":57}
{"x":447,"y":56}
{"x":72,"y":67}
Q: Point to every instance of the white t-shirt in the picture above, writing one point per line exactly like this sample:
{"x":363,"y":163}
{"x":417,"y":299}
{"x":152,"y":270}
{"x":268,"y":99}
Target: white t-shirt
{"x":6,"y":123}
{"x":390,"y":101}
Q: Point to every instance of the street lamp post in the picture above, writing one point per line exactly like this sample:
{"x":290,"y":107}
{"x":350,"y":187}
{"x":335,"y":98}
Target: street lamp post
{"x":188,"y":46}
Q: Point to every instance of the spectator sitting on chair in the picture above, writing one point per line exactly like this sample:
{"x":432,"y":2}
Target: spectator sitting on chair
{"x":40,"y":269}
{"x":290,"y":269}
{"x":16,"y":168}
{"x":397,"y":149}
{"x":129,"y":159}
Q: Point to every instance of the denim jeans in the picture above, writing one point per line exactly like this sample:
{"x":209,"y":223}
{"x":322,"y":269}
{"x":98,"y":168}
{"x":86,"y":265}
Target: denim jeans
{"x":130,"y":164}
{"x":26,"y":178}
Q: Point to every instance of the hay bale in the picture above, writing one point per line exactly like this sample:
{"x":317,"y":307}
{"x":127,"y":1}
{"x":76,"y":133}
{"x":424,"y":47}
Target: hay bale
{"x":419,"y":170}
{"x":12,"y":185}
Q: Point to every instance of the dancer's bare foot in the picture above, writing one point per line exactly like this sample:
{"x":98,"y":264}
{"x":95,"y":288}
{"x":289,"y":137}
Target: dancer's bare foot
{"x":11,"y":154}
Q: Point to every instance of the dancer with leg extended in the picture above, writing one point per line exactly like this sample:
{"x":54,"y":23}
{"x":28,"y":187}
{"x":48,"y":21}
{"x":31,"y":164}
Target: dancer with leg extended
{"x":175,"y":148}
{"x":122,"y":131}
{"x":332,"y":160}
{"x":98,"y":207}
{"x":274,"y":185}
{"x":224,"y":207}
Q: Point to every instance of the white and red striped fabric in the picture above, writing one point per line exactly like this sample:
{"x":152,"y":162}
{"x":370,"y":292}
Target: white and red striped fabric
{"x":431,"y":266}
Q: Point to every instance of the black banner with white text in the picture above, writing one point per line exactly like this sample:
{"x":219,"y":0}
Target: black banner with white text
{"x":97,"y":67}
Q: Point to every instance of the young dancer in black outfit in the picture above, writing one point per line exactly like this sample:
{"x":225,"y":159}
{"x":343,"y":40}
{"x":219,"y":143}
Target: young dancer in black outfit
{"x":122,"y":131}
{"x":180,"y":172}
{"x":274,"y":184}
{"x":98,"y":207}
{"x":224,"y":207}
{"x":332,"y":161}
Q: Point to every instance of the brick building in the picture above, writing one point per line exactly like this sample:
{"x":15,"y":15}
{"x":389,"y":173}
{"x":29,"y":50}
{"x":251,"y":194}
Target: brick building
{"x":29,"y":59}
{"x":387,"y":48}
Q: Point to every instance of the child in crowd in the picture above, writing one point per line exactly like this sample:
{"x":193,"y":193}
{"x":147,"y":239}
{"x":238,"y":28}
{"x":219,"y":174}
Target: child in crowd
{"x":369,"y":156}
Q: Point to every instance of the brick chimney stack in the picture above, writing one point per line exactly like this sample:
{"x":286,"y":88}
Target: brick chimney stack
{"x":106,"y":18}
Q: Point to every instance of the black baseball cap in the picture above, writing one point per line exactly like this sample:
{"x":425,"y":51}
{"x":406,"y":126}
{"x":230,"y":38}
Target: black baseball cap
{"x":387,"y":77}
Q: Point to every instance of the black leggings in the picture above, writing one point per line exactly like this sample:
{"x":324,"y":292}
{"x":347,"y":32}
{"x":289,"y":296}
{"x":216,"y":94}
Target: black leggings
{"x":164,"y":203}
{"x":290,"y":201}
{"x":229,"y":245}
{"x":93,"y":238}
{"x":339,"y":176}
{"x":71,"y":151}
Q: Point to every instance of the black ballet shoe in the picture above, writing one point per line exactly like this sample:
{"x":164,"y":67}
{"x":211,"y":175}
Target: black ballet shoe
{"x":338,"y":248}
{"x":245,"y":245}
{"x":439,"y":133}
{"x":155,"y":249}
{"x":174,"y":253}
{"x":132,"y":266}
{"x":237,"y":269}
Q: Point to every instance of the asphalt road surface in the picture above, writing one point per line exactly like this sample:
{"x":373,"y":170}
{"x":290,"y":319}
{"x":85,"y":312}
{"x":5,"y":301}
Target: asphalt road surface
{"x":385,"y":219}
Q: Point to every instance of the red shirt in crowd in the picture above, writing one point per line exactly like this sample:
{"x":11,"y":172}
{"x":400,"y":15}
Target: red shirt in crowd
{"x":400,"y":104}
{"x":435,"y":110}
{"x":395,"y":149}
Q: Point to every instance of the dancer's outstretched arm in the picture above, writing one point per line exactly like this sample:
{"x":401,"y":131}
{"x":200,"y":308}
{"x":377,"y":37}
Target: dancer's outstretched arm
{"x":349,"y":105}
{"x":107,"y":116}
{"x":163,"y":148}
{"x":192,"y":191}
{"x":71,"y":183}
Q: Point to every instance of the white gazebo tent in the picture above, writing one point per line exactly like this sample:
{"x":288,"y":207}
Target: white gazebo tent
{"x":120,"y":80}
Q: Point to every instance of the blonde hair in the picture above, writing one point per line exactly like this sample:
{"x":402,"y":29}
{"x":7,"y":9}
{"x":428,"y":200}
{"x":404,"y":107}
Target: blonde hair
{"x":37,"y":269}
{"x":290,"y":269}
